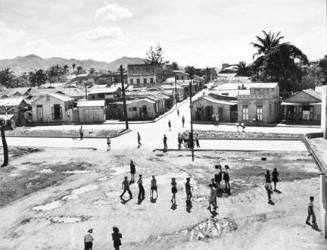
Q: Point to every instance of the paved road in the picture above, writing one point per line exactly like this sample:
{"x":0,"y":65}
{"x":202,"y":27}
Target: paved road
{"x":152,"y":135}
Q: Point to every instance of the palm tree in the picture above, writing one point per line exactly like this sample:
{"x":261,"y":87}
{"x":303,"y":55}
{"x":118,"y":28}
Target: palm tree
{"x":266,"y":43}
{"x":243,"y":69}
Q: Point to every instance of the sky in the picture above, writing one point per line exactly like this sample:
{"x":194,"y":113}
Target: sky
{"x":192,"y":32}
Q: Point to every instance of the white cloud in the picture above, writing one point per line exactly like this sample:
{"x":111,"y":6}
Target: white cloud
{"x":101,"y":33}
{"x":10,"y":34}
{"x":112,"y":12}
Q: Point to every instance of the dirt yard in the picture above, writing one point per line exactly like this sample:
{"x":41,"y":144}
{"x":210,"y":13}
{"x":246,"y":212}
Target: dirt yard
{"x":50,"y":197}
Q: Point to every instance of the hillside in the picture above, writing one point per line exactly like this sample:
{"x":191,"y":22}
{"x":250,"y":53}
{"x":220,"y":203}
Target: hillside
{"x":31,"y":62}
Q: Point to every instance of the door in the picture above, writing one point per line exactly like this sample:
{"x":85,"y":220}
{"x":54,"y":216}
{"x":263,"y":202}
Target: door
{"x":221,"y":113}
{"x":39,"y":113}
{"x":208,"y":112}
{"x":56,"y":112}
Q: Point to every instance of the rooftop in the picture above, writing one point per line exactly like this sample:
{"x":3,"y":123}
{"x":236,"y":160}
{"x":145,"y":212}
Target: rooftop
{"x":87,"y":103}
{"x":11,"y":101}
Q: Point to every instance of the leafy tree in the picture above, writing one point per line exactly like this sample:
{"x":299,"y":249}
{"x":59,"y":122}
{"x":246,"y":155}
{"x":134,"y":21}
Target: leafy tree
{"x":7,"y":78}
{"x":174,"y":66}
{"x":190,"y":70}
{"x":66,"y":67}
{"x":243,"y":69}
{"x":79,"y":69}
{"x":91,"y":71}
{"x":313,"y":76}
{"x":278,"y":62}
{"x":154,"y":55}
{"x":38,"y":77}
{"x":74,"y":65}
{"x":323,"y":65}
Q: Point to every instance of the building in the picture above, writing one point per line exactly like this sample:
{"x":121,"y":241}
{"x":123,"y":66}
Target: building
{"x":15,"y":106}
{"x":212,"y":108}
{"x":91,"y":111}
{"x":142,"y":75}
{"x":302,"y":107}
{"x":138,"y":109}
{"x":109,"y":94}
{"x":52,"y":108}
{"x":259,"y":103}
{"x":180,"y":75}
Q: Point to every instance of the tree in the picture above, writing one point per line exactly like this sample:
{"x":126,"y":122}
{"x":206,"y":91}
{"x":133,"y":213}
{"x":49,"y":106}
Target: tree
{"x":79,"y":69}
{"x":266,"y":43}
{"x":154,"y":55}
{"x":38,"y":77}
{"x":91,"y":71}
{"x":7,"y":78}
{"x":74,"y":65}
{"x":174,"y":66}
{"x":323,"y":65}
{"x":243,"y":69}
{"x":313,"y":76}
{"x":66,"y":67}
{"x":4,"y":144}
{"x":278,"y":62}
{"x":190,"y":70}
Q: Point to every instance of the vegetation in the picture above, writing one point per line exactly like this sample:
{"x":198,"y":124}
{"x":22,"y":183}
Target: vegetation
{"x":154,"y":55}
{"x":243,"y":69}
{"x":38,"y":77}
{"x":278,"y":62}
{"x":7,"y":77}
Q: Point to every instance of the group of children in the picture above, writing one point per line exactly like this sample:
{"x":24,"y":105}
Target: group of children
{"x":274,"y":177}
{"x":116,"y":236}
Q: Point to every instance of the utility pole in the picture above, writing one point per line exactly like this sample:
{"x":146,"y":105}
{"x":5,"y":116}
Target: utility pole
{"x":124,"y":97}
{"x":191,"y":134}
{"x":85,"y":89}
{"x":175,"y":92}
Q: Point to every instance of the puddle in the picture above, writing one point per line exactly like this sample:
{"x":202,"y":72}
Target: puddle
{"x":78,"y":172}
{"x":46,"y":171}
{"x":67,"y":219}
{"x":48,"y":206}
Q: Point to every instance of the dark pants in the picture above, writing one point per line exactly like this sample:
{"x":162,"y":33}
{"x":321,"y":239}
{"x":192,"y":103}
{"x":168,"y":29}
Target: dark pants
{"x":88,"y":245}
{"x":165,"y":146}
{"x":197,"y":143}
{"x":269,"y":194}
{"x":188,"y":195}
{"x":129,"y":192}
{"x":81,"y":136}
{"x":141,"y":195}
{"x":311,"y":214}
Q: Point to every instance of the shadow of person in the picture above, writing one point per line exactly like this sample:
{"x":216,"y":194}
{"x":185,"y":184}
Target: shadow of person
{"x":188,"y":206}
{"x":124,"y":201}
{"x":173,"y":206}
{"x":277,"y":191}
{"x":153,"y":200}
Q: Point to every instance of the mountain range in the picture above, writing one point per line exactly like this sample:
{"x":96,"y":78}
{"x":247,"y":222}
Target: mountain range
{"x":33,"y":62}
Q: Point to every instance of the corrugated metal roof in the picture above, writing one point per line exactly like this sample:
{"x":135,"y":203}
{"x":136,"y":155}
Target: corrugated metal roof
{"x":11,"y":101}
{"x":87,"y":103}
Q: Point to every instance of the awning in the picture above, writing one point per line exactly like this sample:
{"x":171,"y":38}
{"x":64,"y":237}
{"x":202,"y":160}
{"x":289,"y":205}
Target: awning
{"x":300,"y":104}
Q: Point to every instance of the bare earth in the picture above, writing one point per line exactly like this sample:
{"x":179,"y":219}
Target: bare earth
{"x":49,"y":199}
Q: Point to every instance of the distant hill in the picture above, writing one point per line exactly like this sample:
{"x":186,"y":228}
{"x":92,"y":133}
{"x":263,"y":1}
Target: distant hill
{"x":29,"y":63}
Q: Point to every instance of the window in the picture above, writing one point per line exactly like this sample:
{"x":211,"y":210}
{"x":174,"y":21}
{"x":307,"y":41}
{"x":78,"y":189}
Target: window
{"x":245,"y":113}
{"x":131,"y":81}
{"x":138,"y":81}
{"x":145,"y":81}
{"x":151,"y":80}
{"x":259,"y":113}
{"x":132,"y":109}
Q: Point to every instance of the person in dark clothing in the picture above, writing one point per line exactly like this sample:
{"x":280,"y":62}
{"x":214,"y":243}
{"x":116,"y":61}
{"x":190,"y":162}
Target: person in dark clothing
{"x":125,"y":187}
{"x":218,"y":176}
{"x":311,"y":212}
{"x":178,"y":112}
{"x":81,"y":133}
{"x":141,"y":195}
{"x":180,"y":141}
{"x":108,"y":144}
{"x":275,"y":179}
{"x":188,"y":190}
{"x":165,"y":143}
{"x":226,"y":179}
{"x":173,"y":190}
{"x":183,"y":121}
{"x":116,"y":236}
{"x":154,"y":187}
{"x":88,"y":240}
{"x":132,"y":171}
{"x":139,"y":139}
{"x":169,"y":125}
{"x":197,"y":140}
{"x":267,"y":177}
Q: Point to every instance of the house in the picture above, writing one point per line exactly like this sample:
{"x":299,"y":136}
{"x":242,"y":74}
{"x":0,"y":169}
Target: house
{"x":52,"y":108}
{"x":109,"y":94}
{"x":91,"y":111}
{"x":258,"y":103}
{"x":302,"y":107}
{"x":180,"y":75}
{"x":144,"y":74}
{"x":138,"y":109}
{"x":208,"y":108}
{"x":15,"y":106}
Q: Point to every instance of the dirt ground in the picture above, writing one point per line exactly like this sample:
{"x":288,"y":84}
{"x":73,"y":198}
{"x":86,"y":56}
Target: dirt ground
{"x":51,"y":197}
